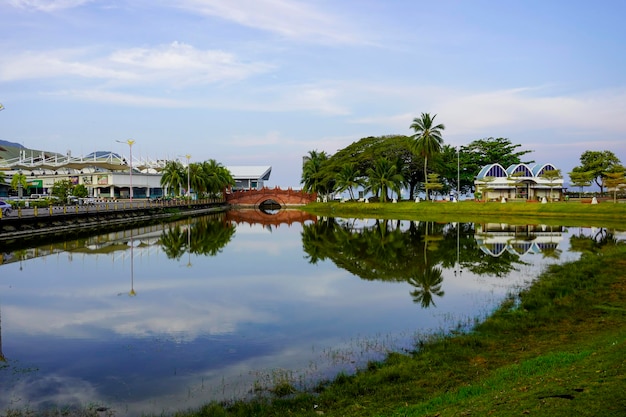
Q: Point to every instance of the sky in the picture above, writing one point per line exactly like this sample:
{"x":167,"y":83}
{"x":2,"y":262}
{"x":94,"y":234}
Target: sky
{"x":263,"y":82}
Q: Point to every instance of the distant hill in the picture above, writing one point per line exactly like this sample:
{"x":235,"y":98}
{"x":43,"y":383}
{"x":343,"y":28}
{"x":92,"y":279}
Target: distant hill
{"x":7,"y":143}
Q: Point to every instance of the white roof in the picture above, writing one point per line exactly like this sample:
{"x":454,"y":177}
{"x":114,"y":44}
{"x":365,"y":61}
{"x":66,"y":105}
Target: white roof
{"x":250,"y":172}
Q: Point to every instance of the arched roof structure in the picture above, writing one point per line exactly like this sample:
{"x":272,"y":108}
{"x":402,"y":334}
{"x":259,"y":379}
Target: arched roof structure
{"x":522,"y":170}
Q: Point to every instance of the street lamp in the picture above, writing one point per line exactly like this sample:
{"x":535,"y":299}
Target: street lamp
{"x":130,"y":143}
{"x":188,"y":180}
{"x":1,"y":107}
{"x":458,"y":172}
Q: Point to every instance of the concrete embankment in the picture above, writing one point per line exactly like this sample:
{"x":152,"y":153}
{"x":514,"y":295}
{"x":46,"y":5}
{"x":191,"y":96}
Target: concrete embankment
{"x":18,"y":231}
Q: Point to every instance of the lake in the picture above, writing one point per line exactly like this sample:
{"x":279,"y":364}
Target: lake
{"x":167,"y":317}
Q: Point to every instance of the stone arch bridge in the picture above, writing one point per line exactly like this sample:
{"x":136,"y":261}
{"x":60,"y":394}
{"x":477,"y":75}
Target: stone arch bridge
{"x":265,"y":195}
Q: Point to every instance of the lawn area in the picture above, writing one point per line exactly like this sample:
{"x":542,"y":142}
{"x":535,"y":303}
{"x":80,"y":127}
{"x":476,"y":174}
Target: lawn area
{"x":574,"y":213}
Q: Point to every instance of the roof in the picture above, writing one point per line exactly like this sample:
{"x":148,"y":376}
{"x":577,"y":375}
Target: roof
{"x":261,"y":172}
{"x":524,"y":170}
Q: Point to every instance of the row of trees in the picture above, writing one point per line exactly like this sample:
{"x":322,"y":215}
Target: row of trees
{"x":209,"y":177}
{"x":385,"y":165}
{"x":423,"y":162}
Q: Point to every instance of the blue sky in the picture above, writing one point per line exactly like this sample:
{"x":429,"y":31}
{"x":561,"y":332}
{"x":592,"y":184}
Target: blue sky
{"x":262,"y":82}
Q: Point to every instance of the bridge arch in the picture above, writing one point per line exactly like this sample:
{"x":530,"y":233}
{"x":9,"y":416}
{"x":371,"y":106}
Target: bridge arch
{"x":282,"y":197}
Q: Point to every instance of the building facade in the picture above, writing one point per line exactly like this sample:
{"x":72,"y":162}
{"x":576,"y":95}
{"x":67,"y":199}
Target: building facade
{"x":519,"y":181}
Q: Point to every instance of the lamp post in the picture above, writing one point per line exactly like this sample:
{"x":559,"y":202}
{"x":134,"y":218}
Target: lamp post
{"x":130,"y":143}
{"x":458,"y":172}
{"x":188,"y":180}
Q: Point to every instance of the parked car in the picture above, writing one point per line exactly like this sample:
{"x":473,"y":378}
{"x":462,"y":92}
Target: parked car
{"x":87,"y":201}
{"x":5,"y":207}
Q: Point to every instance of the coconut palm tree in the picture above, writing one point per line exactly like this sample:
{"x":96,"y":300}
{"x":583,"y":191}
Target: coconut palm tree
{"x":19,"y":182}
{"x":173,"y":176}
{"x":312,"y":173}
{"x":216,"y":176}
{"x":427,"y":139}
{"x":384,"y":176}
{"x":196,"y":178}
{"x":348,"y":179}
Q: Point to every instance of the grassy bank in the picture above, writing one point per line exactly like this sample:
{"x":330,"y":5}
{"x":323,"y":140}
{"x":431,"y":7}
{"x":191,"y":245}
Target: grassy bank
{"x":606,"y":214}
{"x":559,"y":349}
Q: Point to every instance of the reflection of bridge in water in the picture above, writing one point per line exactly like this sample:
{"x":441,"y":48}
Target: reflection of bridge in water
{"x":276,"y":195}
{"x":496,"y":239}
{"x":257,"y":216}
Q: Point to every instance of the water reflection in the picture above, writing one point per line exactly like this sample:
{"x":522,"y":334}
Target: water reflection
{"x":224,"y":300}
{"x":205,"y":236}
{"x":415,"y":252}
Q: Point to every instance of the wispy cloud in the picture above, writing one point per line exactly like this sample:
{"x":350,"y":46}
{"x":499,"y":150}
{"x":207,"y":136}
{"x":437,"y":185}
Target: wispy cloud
{"x":288,"y":18}
{"x":176,"y":64}
{"x":47,"y":5}
{"x":468,"y":113}
{"x":136,"y":100}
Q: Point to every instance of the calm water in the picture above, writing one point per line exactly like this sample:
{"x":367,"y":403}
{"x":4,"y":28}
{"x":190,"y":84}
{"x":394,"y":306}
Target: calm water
{"x":169,"y":317}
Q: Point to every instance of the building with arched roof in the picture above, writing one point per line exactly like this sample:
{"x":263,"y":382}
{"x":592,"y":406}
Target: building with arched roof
{"x":519,"y":181}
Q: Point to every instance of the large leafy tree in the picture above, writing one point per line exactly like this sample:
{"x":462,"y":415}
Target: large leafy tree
{"x":428,"y":140}
{"x":62,"y":189}
{"x":487,"y":151}
{"x":598,"y":163}
{"x":364,"y":153}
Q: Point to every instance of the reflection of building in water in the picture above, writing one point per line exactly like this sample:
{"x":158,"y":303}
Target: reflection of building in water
{"x":496,"y":238}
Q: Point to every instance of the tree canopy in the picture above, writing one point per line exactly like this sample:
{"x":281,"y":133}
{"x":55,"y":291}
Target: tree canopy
{"x":598,"y":163}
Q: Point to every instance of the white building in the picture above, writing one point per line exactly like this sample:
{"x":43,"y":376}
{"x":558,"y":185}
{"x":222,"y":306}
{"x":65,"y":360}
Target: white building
{"x":519,"y":181}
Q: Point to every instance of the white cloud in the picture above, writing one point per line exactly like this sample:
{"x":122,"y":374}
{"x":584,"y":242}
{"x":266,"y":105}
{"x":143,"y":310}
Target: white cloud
{"x":47,"y":5}
{"x":288,"y":18}
{"x":506,"y":112}
{"x":176,"y":64}
{"x":102,"y":96}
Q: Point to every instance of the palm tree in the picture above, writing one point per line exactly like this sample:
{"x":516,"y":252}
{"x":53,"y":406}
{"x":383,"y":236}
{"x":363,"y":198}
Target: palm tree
{"x":216,"y":176}
{"x":428,"y":140}
{"x":173,"y":175}
{"x":196,"y":178}
{"x":348,"y":179}
{"x":312,"y":174}
{"x":19,"y":182}
{"x":384,"y":176}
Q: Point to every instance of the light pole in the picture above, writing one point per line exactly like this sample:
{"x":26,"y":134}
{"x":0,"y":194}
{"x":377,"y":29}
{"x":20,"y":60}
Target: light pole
{"x":188,"y":180}
{"x":130,"y":143}
{"x":458,"y":172}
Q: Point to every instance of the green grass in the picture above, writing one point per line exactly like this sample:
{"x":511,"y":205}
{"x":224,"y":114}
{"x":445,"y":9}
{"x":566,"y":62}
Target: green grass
{"x":606,"y":214}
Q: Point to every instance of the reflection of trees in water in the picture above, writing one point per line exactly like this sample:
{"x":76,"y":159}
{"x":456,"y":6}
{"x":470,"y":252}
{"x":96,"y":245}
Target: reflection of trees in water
{"x":203,"y":236}
{"x":416,"y":255}
{"x":593,"y":242}
{"x":383,"y":251}
{"x":427,"y":285}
